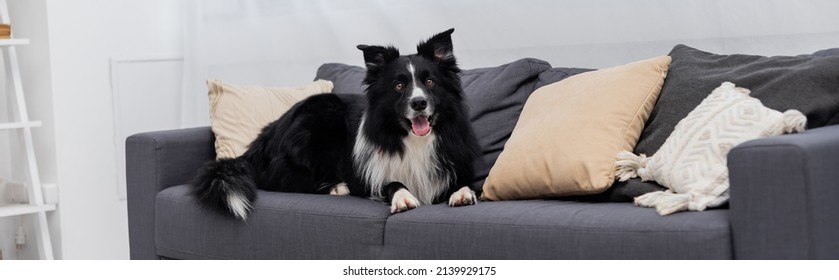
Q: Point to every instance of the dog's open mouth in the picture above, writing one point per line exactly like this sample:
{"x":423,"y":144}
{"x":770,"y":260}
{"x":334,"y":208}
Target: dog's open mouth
{"x":420,"y":125}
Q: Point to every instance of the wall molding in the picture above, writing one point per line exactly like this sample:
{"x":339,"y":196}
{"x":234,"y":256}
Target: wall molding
{"x":117,"y":63}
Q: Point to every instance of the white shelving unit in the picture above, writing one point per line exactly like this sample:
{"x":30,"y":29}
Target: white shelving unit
{"x":24,"y":209}
{"x":24,"y":126}
{"x":14,"y":125}
{"x":13,"y":42}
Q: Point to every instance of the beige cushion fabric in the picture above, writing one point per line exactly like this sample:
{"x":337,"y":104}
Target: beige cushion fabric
{"x":569,"y":132}
{"x":238,"y":113}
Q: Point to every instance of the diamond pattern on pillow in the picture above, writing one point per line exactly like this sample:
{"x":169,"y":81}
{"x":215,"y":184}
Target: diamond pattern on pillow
{"x":692,"y":161}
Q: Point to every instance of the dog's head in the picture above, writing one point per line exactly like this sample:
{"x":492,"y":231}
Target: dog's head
{"x":416,"y":91}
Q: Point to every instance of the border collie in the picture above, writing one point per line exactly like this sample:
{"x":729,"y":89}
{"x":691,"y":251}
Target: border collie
{"x":407,"y":141}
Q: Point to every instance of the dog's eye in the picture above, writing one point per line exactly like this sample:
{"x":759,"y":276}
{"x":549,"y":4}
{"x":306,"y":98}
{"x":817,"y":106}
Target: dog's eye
{"x":399,"y":87}
{"x":429,"y":83}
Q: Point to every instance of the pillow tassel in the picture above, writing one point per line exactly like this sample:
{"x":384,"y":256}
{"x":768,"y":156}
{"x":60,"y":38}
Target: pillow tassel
{"x":629,"y":165}
{"x":665,"y":202}
{"x":792,"y":121}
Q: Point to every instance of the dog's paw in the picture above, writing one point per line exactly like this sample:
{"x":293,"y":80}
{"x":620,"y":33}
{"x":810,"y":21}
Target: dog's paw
{"x":402,"y":201}
{"x":340,"y":189}
{"x":463,"y":196}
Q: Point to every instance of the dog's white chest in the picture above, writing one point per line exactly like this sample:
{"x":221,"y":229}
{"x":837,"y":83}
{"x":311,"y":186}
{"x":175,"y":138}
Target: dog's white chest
{"x":417,"y":168}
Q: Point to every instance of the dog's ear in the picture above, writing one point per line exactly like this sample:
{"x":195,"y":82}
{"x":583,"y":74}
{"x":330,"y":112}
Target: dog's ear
{"x":438,"y":48}
{"x":377,"y":56}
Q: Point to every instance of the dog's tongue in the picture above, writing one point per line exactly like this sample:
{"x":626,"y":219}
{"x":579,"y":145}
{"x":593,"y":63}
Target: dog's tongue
{"x":420,"y":126}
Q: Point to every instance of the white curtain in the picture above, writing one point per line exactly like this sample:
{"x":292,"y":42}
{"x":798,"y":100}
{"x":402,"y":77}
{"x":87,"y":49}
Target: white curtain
{"x":282,"y":42}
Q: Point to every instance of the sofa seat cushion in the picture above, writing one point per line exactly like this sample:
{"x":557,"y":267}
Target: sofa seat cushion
{"x":282,"y":226}
{"x":555,"y":229}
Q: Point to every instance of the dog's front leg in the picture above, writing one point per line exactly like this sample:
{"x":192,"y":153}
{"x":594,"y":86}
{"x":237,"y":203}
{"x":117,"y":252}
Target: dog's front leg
{"x":400,"y":198}
{"x":462,"y":197}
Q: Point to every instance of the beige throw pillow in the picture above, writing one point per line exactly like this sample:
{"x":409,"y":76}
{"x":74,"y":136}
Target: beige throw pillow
{"x":569,"y":132}
{"x":238,"y":113}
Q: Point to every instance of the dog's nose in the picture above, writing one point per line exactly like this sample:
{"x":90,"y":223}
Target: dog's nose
{"x":419,"y":103}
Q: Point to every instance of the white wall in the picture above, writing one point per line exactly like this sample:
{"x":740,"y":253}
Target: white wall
{"x":268,"y":42}
{"x":81,"y":37}
{"x":84,"y":35}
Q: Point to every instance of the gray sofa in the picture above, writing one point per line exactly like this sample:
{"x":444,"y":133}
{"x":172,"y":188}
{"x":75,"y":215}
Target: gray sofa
{"x":783,"y":205}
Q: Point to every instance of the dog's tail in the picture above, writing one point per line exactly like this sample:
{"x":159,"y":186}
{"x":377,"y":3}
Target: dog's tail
{"x":227,"y":186}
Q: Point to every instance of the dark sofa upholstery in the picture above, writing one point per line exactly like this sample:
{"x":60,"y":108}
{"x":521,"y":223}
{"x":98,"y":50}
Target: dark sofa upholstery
{"x":301,"y":226}
{"x":783,"y":203}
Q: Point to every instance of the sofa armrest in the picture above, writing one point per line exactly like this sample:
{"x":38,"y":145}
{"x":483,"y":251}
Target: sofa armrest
{"x":785,"y":196}
{"x":155,"y":161}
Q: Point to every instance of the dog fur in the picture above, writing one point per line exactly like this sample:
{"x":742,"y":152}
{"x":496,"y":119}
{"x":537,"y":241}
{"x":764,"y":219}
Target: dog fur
{"x":406,"y":141}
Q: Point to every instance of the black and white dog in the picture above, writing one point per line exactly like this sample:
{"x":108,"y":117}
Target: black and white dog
{"x":408,"y":141}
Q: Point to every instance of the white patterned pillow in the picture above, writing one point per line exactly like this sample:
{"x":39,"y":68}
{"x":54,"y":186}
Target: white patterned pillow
{"x":692,"y":161}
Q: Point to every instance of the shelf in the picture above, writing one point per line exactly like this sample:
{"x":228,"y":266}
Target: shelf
{"x":15,"y":125}
{"x":13,"y":42}
{"x":36,"y":210}
{"x":23,"y":209}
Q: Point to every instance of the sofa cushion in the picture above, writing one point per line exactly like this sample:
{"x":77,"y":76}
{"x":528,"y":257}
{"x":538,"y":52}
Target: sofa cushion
{"x":619,"y":191}
{"x":238,"y":113}
{"x":494,"y":95}
{"x":570,"y":131}
{"x":550,"y":229}
{"x":557,"y":74}
{"x":282,"y":226}
{"x":807,"y":83}
{"x":692,"y":162}
{"x":345,"y":78}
